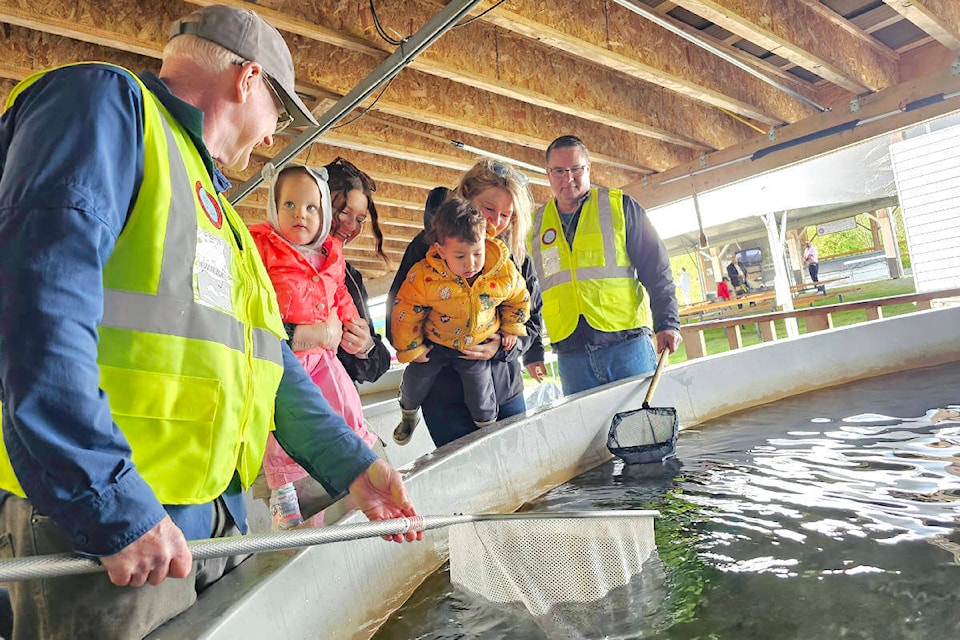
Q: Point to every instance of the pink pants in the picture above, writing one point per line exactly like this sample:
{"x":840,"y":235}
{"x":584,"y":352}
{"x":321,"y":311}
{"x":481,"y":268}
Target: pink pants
{"x":337,"y":387}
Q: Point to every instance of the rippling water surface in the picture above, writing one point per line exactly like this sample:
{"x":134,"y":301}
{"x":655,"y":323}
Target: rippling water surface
{"x":828,"y":515}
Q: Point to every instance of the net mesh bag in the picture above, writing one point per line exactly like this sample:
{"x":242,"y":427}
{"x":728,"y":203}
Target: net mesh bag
{"x":644,"y":435}
{"x":544,"y":562}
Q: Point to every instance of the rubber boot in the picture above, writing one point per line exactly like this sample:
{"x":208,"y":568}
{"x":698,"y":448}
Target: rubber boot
{"x":409,"y":420}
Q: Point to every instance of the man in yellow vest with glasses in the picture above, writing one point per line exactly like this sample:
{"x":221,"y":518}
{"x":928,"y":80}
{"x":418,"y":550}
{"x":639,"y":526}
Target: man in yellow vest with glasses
{"x":597,"y":257}
{"x":142,"y":356}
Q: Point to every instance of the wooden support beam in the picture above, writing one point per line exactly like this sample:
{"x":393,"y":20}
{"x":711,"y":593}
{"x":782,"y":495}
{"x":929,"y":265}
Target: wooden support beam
{"x":939,"y":18}
{"x":112,"y":25}
{"x":880,"y":17}
{"x":734,"y":337}
{"x":517,"y":67}
{"x":23,"y":53}
{"x":818,"y":322}
{"x":607,"y":34}
{"x":768,"y":330}
{"x":795,"y":30}
{"x":693,"y":341}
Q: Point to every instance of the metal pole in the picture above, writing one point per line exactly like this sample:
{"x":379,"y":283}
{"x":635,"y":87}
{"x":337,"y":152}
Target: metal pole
{"x":409,"y":49}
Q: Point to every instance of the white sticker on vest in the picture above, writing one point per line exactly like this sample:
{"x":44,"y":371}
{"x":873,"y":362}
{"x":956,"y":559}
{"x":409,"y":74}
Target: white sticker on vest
{"x":551,"y":260}
{"x":212,"y":282}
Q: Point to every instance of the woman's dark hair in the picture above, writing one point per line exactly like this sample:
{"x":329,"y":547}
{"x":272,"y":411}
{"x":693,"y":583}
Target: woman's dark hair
{"x":460,"y":219}
{"x":343,"y":177}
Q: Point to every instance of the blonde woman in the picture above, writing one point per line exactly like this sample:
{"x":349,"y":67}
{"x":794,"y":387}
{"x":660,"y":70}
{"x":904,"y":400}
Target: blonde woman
{"x":501,"y":193}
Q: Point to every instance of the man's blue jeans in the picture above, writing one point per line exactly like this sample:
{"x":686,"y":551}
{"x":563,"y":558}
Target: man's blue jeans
{"x":597,"y":366}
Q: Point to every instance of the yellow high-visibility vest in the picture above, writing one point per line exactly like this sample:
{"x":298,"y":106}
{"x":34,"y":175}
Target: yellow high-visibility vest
{"x":593,"y":278}
{"x":190,"y":340}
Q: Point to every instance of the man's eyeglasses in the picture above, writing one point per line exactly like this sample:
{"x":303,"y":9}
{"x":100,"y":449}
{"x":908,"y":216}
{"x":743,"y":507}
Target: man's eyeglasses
{"x":284,"y":119}
{"x":351,"y":170}
{"x":505,"y":170}
{"x":576,"y":172}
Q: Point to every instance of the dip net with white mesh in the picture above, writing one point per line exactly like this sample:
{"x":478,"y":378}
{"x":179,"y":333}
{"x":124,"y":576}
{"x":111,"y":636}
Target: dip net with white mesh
{"x":543,"y":559}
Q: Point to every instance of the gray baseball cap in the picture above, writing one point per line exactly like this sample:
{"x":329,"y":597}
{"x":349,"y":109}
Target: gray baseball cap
{"x":249,"y":36}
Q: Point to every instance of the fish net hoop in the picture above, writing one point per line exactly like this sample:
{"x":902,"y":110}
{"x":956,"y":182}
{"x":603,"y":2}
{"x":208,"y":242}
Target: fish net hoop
{"x":644,"y":435}
{"x":543,"y":562}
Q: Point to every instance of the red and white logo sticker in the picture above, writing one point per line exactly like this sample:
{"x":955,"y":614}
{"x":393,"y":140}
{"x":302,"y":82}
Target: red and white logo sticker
{"x":209,"y":205}
{"x":549,"y":236}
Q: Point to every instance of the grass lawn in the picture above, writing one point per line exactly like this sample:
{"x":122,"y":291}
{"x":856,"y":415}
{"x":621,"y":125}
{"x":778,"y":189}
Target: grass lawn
{"x":717,"y":341}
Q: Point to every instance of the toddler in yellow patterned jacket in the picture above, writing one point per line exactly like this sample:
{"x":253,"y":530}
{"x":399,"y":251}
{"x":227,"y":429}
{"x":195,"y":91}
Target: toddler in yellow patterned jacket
{"x":464,"y":291}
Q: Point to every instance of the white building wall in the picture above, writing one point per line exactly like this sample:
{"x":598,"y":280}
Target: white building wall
{"x":927,"y":173}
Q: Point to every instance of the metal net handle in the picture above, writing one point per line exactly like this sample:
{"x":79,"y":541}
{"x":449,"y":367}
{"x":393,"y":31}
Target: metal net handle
{"x":62,"y":564}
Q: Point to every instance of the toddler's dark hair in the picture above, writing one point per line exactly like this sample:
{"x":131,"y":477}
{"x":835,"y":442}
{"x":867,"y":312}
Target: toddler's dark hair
{"x":459,"y":219}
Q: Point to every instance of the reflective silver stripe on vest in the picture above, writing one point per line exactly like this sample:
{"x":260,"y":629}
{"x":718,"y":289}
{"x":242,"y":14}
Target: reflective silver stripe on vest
{"x":173,"y":311}
{"x":561,"y":277}
{"x":267,"y":347}
{"x":536,"y":246}
{"x":610,"y":268}
{"x":601,"y":273}
{"x":171,"y":317}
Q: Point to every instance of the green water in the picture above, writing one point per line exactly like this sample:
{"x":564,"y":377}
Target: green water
{"x":828,"y":515}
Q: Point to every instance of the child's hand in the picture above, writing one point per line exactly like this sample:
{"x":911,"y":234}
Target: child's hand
{"x":508,"y":341}
{"x":423,"y":356}
{"x":309,"y":336}
{"x":334,"y":332}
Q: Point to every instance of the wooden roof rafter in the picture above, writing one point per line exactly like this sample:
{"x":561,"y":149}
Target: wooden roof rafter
{"x":809,"y":37}
{"x":939,"y":18}
{"x":647,"y":102}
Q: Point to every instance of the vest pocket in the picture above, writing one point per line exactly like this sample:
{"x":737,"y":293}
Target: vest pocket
{"x":551,"y":307}
{"x":169,"y":422}
{"x":589,"y":250}
{"x":143,"y":394}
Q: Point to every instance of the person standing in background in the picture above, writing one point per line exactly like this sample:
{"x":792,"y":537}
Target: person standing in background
{"x":723,"y":289}
{"x":597,"y":257}
{"x":811,"y":258}
{"x":685,"y":285}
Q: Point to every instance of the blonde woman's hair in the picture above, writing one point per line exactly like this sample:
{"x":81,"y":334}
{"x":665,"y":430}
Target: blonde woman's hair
{"x":206,"y":54}
{"x":486,"y":174}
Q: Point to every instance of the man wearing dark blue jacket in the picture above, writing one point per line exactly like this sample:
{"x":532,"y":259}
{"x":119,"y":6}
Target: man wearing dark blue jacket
{"x":141,"y":359}
{"x":598,"y":260}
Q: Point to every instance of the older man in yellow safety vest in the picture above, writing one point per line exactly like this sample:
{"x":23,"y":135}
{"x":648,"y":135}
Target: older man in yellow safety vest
{"x":597,"y":257}
{"x":142,"y":356}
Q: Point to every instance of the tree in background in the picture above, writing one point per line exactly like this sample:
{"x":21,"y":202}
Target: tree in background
{"x":858,"y":239}
{"x":689,"y":261}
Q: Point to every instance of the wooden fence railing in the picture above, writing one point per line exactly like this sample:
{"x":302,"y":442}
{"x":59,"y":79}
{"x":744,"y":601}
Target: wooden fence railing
{"x":815,"y":319}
